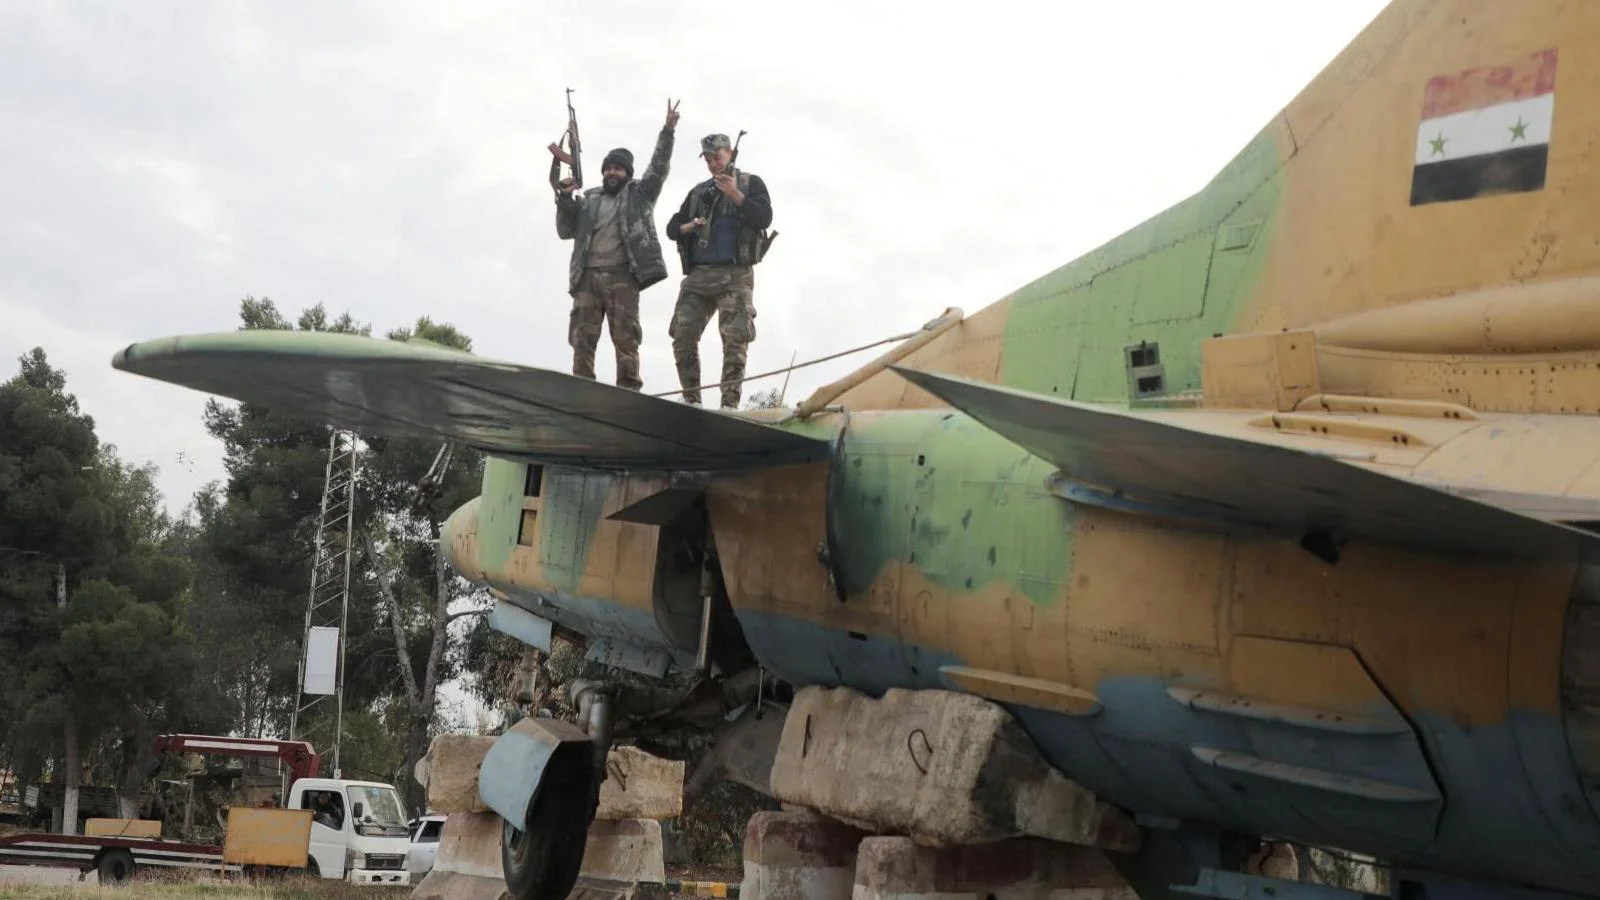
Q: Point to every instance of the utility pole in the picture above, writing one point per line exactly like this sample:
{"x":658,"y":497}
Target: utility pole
{"x":327,"y":609}
{"x":69,"y":783}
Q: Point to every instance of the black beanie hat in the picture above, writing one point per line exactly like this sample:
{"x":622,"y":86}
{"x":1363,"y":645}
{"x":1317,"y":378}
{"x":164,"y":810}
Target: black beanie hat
{"x":621,"y":157}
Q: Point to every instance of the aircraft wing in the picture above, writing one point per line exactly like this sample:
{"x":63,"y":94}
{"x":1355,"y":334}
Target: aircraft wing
{"x":1129,"y":461}
{"x":423,"y":390}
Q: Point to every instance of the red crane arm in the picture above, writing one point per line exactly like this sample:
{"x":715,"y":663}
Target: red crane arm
{"x":299,"y":756}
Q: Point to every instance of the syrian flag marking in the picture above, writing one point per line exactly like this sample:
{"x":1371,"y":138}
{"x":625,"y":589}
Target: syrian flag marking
{"x":1485,"y":131}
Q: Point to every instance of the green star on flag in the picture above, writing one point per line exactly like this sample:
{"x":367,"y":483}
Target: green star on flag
{"x":1519,"y":130}
{"x":1438,"y":143}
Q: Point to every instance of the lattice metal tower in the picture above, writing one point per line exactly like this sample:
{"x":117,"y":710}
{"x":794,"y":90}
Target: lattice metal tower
{"x":328,"y":607}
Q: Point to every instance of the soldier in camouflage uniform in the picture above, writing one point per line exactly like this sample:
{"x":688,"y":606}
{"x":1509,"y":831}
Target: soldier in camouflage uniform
{"x":615,"y":255}
{"x":721,"y":235}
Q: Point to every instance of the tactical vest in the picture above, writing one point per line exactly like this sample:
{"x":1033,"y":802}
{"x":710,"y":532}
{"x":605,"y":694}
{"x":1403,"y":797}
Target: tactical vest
{"x":750,"y":245}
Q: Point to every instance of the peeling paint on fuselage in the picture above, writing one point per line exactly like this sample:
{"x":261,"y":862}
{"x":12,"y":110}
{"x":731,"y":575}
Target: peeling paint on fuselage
{"x":1139,"y":757}
{"x":963,"y":505}
{"x":1179,"y":606}
{"x":958,"y":556}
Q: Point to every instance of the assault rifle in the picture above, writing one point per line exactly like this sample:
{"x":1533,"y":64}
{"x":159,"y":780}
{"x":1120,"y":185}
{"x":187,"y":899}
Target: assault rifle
{"x":572,"y":156}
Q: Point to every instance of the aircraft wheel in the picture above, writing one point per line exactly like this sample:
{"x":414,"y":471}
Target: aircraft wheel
{"x":116,"y":866}
{"x":543,"y":864}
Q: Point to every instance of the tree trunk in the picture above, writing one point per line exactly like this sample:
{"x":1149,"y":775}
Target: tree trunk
{"x":412,"y":793}
{"x":421,"y":698}
{"x":416,"y":717}
{"x":69,"y":782}
{"x":422,"y":710}
{"x":396,"y":623}
{"x":137,"y":755}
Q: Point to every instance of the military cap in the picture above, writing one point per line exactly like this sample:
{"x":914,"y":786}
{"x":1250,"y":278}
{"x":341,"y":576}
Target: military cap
{"x":711,"y":143}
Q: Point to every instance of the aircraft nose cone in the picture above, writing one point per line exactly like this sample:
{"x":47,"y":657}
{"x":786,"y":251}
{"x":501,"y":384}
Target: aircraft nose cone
{"x":458,"y":539}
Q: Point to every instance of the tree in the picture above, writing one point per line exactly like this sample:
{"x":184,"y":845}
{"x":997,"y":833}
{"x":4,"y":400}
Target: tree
{"x":767,"y":399}
{"x":92,"y":630}
{"x":256,"y":533}
{"x":158,"y":691}
{"x":404,"y":541}
{"x":51,"y":526}
{"x":254,"y":545}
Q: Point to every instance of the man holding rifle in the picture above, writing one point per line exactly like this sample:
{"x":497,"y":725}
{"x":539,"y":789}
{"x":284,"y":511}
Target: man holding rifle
{"x":616,"y":253}
{"x":721,"y":234}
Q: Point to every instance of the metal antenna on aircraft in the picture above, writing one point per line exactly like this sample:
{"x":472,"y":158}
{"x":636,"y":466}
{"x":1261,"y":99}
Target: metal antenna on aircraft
{"x":784,"y":391}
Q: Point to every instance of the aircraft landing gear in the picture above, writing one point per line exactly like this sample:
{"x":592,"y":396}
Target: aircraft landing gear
{"x":543,"y":861}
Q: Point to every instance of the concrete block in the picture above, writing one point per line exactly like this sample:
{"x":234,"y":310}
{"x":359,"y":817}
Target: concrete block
{"x":467,"y":866}
{"x":451,"y":769}
{"x":798,"y":856}
{"x":897,"y":868}
{"x":638,"y":785}
{"x":617,"y":855}
{"x":625,"y":850}
{"x":943,"y":767}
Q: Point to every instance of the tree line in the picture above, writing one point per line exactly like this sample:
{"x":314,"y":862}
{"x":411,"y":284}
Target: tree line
{"x":119,"y":622}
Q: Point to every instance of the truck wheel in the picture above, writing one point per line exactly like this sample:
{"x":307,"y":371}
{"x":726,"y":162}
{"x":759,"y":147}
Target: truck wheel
{"x":543,"y":864}
{"x":116,"y":866}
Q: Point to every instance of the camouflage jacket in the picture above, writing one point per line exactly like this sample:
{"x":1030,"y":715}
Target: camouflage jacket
{"x":754,"y":217}
{"x":575,"y":220}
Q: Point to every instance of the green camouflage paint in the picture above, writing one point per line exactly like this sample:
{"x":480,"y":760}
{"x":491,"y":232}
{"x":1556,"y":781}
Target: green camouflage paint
{"x":940,"y":491}
{"x":1175,"y":279}
{"x":499,"y":511}
{"x":573,"y":501}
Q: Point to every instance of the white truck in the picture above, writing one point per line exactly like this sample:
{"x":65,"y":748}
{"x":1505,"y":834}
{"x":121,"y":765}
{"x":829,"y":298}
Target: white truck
{"x":358,"y":830}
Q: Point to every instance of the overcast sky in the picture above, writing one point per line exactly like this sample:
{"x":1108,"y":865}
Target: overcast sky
{"x":161,"y":160}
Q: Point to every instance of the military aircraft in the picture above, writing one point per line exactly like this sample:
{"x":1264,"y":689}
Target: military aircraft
{"x":1275,"y":514}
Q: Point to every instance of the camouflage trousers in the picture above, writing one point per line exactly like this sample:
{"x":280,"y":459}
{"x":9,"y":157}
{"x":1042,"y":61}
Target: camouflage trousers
{"x":729,"y":292}
{"x":606,"y":295}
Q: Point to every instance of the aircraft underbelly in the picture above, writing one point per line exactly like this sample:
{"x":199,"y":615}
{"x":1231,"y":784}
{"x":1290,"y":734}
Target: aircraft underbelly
{"x":1525,"y":814}
{"x":1393,"y":704}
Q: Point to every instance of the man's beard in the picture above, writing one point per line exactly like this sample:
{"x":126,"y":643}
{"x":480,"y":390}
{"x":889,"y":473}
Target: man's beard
{"x":612,"y":184}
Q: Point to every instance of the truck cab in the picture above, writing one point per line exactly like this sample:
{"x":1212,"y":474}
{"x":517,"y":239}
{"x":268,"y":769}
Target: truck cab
{"x":358,"y":829}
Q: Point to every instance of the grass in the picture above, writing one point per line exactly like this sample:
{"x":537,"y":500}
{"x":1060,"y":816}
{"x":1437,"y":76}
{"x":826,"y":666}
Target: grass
{"x":196,"y":887}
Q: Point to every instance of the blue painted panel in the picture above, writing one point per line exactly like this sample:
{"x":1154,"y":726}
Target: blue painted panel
{"x":1498,"y":782}
{"x":518,"y":761}
{"x":597,"y":618}
{"x":1498,"y":823}
{"x":802,"y":653}
{"x":514,"y":621}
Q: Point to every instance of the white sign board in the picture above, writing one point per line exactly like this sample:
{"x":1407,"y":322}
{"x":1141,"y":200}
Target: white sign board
{"x":322,"y":660}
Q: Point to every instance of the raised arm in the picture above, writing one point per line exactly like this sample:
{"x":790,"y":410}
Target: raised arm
{"x":655,"y":174}
{"x":566,"y":215}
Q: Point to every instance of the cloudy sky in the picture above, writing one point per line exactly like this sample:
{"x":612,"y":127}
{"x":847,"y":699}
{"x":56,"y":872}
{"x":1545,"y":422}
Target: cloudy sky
{"x":160,"y":160}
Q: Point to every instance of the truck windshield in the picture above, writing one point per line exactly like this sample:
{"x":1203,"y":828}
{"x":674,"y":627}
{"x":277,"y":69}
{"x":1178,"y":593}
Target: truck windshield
{"x":379,"y":806}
